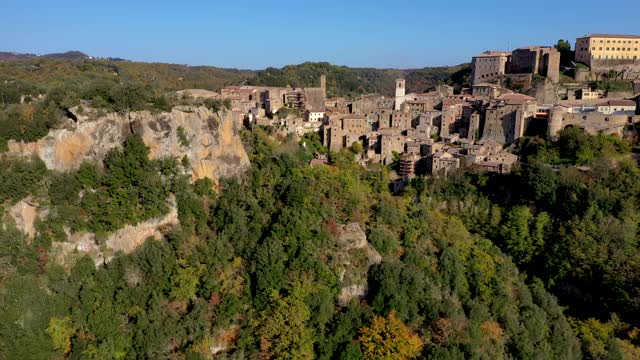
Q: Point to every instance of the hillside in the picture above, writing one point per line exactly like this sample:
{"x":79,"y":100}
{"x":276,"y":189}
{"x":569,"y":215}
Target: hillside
{"x":47,"y":71}
{"x":273,"y":266}
{"x":346,"y":81}
{"x":135,"y":224}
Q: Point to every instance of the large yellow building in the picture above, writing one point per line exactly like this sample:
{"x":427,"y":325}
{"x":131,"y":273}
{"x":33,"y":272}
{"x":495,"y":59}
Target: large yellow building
{"x":607,"y":47}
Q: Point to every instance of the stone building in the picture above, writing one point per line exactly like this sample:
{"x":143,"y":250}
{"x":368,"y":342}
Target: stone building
{"x":607,"y":47}
{"x":491,"y":91}
{"x":401,"y":119}
{"x":489,"y":66}
{"x":540,"y":60}
{"x":506,"y":118}
{"x":444,"y":163}
{"x":608,"y":54}
{"x":400,"y":94}
{"x":593,"y":122}
{"x":616,"y":106}
{"x":391,"y":140}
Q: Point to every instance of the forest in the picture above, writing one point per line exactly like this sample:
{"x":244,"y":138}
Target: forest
{"x":352,"y":82}
{"x":472,"y":267}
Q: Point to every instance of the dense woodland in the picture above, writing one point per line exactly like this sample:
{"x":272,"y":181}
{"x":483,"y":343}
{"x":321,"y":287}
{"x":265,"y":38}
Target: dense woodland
{"x":541,"y":263}
{"x":352,"y":82}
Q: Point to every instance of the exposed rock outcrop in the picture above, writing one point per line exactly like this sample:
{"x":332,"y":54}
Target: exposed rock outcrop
{"x":25,"y":214}
{"x":353,"y":241}
{"x":126,"y":239}
{"x":212,"y":145}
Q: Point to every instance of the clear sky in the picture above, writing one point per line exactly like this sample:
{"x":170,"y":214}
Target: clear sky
{"x":256,"y":34}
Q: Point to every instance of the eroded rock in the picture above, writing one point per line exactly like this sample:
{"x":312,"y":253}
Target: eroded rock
{"x":357,"y":255}
{"x":126,"y":239}
{"x":213,"y":146}
{"x":25,"y":214}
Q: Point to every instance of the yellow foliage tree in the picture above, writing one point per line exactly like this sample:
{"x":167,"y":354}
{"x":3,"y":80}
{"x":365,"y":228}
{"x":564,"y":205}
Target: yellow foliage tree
{"x":61,"y":330}
{"x":389,"y":338}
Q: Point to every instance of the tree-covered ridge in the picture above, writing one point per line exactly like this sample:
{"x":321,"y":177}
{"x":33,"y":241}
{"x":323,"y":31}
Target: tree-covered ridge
{"x":255,"y":269}
{"x":351,"y":82}
{"x":46,"y":73}
{"x":569,"y":215}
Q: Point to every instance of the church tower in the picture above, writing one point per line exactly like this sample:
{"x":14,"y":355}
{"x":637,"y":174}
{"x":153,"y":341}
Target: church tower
{"x":400,"y":83}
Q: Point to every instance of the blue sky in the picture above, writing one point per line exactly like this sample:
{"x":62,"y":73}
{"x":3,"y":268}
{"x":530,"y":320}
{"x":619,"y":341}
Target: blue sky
{"x":256,"y":34}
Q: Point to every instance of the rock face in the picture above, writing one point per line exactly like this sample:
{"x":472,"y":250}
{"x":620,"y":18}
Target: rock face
{"x":24,"y":214}
{"x":126,"y":239}
{"x":353,"y":242}
{"x":209,"y":140}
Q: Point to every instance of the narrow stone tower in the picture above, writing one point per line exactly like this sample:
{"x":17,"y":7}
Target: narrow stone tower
{"x":555,"y":122}
{"x":400,"y":92}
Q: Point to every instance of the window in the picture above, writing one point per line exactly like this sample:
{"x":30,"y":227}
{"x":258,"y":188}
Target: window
{"x":600,"y":49}
{"x":607,"y":49}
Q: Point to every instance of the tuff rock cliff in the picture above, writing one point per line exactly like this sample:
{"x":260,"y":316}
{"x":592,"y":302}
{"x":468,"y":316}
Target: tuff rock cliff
{"x":209,"y":140}
{"x":212,"y":144}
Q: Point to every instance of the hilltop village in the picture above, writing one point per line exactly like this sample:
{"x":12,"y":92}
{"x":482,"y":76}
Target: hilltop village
{"x":442,"y":130}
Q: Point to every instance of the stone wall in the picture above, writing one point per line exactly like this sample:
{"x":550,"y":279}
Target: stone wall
{"x":623,"y":69}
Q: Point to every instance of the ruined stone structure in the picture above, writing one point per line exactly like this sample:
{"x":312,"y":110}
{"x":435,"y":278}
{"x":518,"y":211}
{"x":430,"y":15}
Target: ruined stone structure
{"x":540,"y":60}
{"x":593,"y":122}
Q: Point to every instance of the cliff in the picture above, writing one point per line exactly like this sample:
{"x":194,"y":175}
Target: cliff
{"x":209,"y":140}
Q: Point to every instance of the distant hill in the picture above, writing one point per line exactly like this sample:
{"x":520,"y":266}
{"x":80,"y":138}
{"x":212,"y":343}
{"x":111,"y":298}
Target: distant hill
{"x":78,"y":68}
{"x":5,"y":56}
{"x":71,"y":55}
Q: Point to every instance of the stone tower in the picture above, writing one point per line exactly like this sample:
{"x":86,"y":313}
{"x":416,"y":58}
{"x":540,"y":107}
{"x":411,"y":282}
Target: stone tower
{"x":555,"y":121}
{"x":323,"y":85}
{"x":400,"y":92}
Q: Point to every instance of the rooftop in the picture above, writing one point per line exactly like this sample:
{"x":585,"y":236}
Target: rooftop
{"x":493,"y":53}
{"x":618,"y":103}
{"x":515,"y":98}
{"x":612,"y":36}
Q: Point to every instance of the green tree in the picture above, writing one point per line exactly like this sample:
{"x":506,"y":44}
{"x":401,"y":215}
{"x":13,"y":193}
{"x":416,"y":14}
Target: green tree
{"x":282,"y":328}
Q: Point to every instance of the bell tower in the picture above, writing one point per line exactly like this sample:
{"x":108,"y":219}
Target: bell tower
{"x":400,"y":92}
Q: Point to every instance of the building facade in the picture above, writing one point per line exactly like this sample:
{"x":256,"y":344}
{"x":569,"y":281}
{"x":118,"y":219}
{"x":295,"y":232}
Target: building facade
{"x":489,"y":66}
{"x":607,"y":47}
